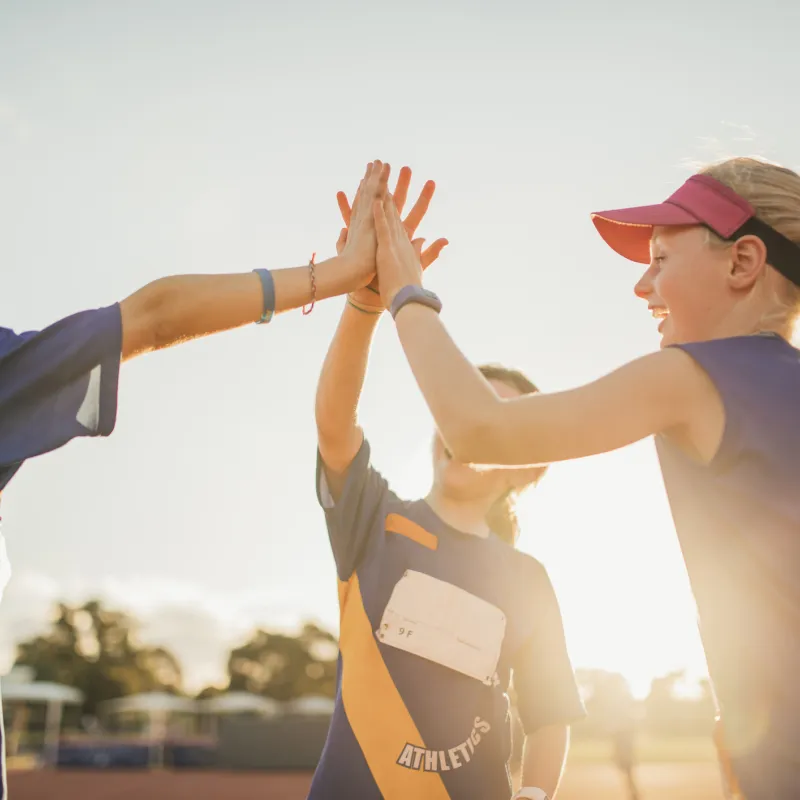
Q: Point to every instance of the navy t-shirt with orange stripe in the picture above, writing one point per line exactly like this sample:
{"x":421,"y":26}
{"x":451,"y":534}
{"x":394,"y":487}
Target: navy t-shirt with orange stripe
{"x":415,"y":725}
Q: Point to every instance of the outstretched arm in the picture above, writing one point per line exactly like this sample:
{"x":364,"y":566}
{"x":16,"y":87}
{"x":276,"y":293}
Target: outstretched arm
{"x":665,"y":392}
{"x":177,"y":309}
{"x":344,"y":369}
{"x":183,"y":307}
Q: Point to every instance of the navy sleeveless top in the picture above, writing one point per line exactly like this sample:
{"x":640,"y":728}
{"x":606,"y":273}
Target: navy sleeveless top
{"x":738,"y":522}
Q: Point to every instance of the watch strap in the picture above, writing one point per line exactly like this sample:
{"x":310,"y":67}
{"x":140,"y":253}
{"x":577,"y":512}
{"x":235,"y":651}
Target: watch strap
{"x":415,"y":294}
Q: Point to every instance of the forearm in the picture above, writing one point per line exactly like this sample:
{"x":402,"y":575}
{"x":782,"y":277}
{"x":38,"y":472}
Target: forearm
{"x":183,"y":307}
{"x":543,"y":756}
{"x":461,"y":400}
{"x":663,"y":392}
{"x":339,"y":388}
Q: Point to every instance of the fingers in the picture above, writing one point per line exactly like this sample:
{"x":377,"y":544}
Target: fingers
{"x":341,"y":241}
{"x":381,"y":223}
{"x":420,"y":208}
{"x":383,"y":179}
{"x":401,"y":190}
{"x":375,"y":184}
{"x":430,"y":254}
{"x":417,"y":245}
{"x":344,"y":207}
{"x":392,"y":214}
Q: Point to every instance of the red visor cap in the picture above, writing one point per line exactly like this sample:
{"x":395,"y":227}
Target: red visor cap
{"x":702,"y":200}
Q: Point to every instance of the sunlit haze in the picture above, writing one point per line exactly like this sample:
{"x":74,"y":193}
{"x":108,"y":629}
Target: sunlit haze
{"x":138,"y":140}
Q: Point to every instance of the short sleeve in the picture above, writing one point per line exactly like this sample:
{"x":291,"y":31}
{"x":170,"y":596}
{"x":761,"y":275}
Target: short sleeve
{"x":57,"y":384}
{"x":547,"y":693}
{"x":356,"y":520}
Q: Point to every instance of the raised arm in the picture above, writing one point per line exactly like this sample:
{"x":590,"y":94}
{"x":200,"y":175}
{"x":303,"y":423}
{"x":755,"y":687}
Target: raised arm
{"x":344,"y":369}
{"x":338,"y":393}
{"x":183,"y":307}
{"x":665,"y":392}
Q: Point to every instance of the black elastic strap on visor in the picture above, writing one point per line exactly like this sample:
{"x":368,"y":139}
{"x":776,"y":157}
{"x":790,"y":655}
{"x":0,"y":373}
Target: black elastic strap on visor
{"x":782,"y":253}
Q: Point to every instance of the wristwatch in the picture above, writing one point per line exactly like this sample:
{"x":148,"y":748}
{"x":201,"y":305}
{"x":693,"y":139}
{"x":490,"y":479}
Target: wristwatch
{"x":530,"y":793}
{"x":415,"y":294}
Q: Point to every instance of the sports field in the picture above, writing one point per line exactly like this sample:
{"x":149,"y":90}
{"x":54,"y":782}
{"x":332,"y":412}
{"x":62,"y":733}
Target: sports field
{"x":665,"y":781}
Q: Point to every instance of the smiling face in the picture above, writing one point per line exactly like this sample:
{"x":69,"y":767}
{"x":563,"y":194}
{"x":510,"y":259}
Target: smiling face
{"x":687,"y":285}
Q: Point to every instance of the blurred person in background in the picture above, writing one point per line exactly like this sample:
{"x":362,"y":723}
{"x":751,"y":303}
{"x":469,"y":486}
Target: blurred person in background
{"x":623,"y":737}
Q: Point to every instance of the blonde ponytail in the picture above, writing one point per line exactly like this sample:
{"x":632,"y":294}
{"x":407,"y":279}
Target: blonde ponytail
{"x":502,"y":517}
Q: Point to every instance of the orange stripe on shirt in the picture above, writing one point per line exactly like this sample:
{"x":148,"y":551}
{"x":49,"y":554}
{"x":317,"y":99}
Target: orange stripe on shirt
{"x":405,"y":527}
{"x":377,"y":714}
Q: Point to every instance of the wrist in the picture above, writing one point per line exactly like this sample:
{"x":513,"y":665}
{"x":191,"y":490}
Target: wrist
{"x":392,"y":294}
{"x":337,"y":275}
{"x":357,"y":301}
{"x":368,"y":297}
{"x":414,"y":294}
{"x":530,"y":793}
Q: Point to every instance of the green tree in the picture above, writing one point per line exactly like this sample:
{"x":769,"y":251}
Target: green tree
{"x":285,"y":667}
{"x":95,"y":649}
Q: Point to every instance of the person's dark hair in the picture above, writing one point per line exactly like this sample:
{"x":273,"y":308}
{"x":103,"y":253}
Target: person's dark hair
{"x":502,"y":517}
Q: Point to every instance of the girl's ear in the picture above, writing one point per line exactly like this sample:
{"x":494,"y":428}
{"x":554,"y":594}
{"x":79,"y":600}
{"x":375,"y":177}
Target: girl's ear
{"x":748,"y":259}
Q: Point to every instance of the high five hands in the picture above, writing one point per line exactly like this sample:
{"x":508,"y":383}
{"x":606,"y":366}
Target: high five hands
{"x":374,"y":222}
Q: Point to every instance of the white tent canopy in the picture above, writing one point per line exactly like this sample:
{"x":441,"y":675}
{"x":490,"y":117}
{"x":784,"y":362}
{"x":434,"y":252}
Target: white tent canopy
{"x":157,"y":708}
{"x":312,"y":704}
{"x":18,"y":686}
{"x":41,"y":692}
{"x":241,"y":702}
{"x":152,"y":703}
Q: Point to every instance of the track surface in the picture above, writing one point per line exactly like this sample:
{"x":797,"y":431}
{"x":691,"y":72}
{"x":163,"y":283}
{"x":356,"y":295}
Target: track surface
{"x":582,"y":782}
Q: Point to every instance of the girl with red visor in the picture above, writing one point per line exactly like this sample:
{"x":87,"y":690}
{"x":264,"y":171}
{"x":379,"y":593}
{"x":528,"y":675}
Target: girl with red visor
{"x":721,"y":398}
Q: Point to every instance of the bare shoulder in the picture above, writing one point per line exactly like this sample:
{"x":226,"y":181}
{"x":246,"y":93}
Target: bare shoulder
{"x":701,"y":421}
{"x":677,"y":398}
{"x":672,"y":372}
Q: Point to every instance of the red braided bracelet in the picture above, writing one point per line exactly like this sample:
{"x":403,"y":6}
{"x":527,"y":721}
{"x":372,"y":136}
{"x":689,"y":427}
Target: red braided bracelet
{"x":313,"y":286}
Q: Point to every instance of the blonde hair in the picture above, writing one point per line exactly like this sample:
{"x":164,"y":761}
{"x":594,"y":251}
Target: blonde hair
{"x":502,"y":516}
{"x":774,"y":193}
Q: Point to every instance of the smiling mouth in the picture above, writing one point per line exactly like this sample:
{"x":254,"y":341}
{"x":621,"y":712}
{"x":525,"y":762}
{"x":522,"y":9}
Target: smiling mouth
{"x":660,"y":313}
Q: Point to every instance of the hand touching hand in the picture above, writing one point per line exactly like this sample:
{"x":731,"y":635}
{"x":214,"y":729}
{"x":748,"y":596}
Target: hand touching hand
{"x":400,"y":261}
{"x":369,"y":296}
{"x":358,"y":250}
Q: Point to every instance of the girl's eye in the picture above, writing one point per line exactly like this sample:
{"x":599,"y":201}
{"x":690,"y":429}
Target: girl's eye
{"x":657,"y":260}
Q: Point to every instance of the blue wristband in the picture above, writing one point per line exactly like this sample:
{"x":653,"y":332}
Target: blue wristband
{"x":268,"y":287}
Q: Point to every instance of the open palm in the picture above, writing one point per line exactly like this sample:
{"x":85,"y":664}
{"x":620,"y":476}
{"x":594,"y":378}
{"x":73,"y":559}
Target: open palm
{"x":370,"y":295}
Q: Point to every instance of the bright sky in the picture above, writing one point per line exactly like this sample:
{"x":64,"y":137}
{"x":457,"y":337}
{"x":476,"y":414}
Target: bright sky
{"x":148,"y":138}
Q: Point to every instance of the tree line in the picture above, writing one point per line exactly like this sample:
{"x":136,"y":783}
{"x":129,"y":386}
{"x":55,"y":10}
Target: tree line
{"x":98,"y":651}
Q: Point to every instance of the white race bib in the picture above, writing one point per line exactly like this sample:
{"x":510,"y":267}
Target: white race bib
{"x":445,"y":624}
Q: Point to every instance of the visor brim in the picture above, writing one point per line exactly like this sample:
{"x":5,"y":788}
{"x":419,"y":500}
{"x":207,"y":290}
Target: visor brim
{"x":627,"y":231}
